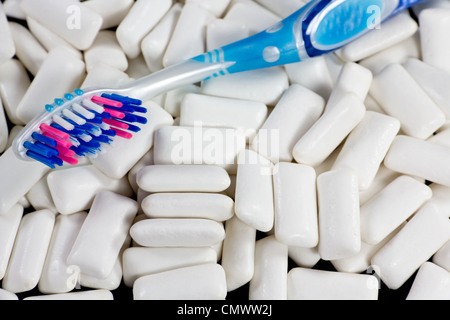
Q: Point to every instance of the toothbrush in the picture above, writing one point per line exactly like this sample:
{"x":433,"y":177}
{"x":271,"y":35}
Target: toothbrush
{"x":81,"y":122}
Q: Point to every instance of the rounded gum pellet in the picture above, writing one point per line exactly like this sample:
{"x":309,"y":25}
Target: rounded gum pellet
{"x":173,"y":232}
{"x":201,"y":282}
{"x":29,"y":252}
{"x":69,"y":19}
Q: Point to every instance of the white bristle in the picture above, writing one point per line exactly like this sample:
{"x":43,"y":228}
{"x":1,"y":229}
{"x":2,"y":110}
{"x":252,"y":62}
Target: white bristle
{"x":93,"y":106}
{"x":72,"y":116}
{"x":63,"y":123}
{"x":83,"y":111}
{"x":85,"y":137}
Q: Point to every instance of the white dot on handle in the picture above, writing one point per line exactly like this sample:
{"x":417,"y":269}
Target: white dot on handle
{"x":271,"y":54}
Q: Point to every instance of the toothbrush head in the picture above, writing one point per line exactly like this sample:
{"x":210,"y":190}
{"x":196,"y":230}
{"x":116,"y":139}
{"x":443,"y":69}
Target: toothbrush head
{"x":78,"y":125}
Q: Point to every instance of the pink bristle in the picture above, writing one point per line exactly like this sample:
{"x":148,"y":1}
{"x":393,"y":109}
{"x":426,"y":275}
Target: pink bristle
{"x":115,"y":114}
{"x":65,"y":151}
{"x":69,"y":160}
{"x":116,"y":123}
{"x":107,"y":102}
{"x":58,"y":133}
{"x":59,"y":141}
{"x":122,"y":133}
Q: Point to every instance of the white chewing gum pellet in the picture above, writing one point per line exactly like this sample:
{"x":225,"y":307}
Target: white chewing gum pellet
{"x":193,"y":19}
{"x":426,"y":232}
{"x":304,"y":257}
{"x":177,"y":232}
{"x":393,"y":205}
{"x":442,"y":257}
{"x":71,"y":195}
{"x":198,"y":145}
{"x":295,"y":205}
{"x":256,"y":17}
{"x":398,"y":53}
{"x":112,"y":11}
{"x":216,"y":7}
{"x":29,"y":251}
{"x":201,"y":282}
{"x":139,"y":261}
{"x":154,"y":45}
{"x":403,"y":98}
{"x":174,"y":97}
{"x":366,"y":146}
{"x":114,"y":278}
{"x":7,"y":295}
{"x":106,"y":76}
{"x":106,"y":49}
{"x":308,"y":284}
{"x":103,"y":233}
{"x":441,"y":196}
{"x":361,"y":262}
{"x":221,"y":32}
{"x":49,"y":39}
{"x":140,"y":20}
{"x":14,"y":83}
{"x":254,"y":191}
{"x":8,"y":49}
{"x":435,"y":43}
{"x":271,"y":265}
{"x":383,"y":177}
{"x":57,"y":276}
{"x":212,"y":206}
{"x":282,"y":8}
{"x":78,"y":295}
{"x":434,"y":81}
{"x":183,"y":178}
{"x":221,"y":113}
{"x":431,"y":283}
{"x":325,"y":135}
{"x":442,"y":138}
{"x":44,"y":88}
{"x":12,"y":9}
{"x":146,"y":160}
{"x":4,"y":131}
{"x":69,"y":19}
{"x":339,"y":221}
{"x":28,"y":49}
{"x":291,"y":118}
{"x":379,"y":38}
{"x":238,"y":253}
{"x":9,"y":224}
{"x":18,"y":176}
{"x":312,"y":74}
{"x":351,"y":78}
{"x":123,"y":154}
{"x":420,"y":158}
{"x":263,"y":85}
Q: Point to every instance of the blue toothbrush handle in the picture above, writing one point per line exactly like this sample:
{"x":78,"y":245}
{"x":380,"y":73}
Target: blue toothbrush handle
{"x":319,"y":27}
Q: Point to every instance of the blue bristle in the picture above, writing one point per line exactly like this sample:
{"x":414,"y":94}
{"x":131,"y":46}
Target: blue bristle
{"x":93,"y":144}
{"x":140,"y":119}
{"x":41,"y":149}
{"x":110,"y":133}
{"x":39,"y":137}
{"x":136,"y":108}
{"x":122,"y":99}
{"x":50,"y":162}
{"x":129,"y":118}
{"x":103,"y":139}
{"x":123,"y":109}
{"x":74,"y":132}
{"x":96,"y":120}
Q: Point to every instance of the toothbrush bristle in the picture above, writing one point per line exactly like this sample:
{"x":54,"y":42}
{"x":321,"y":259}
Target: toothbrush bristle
{"x":82,"y":128}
